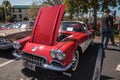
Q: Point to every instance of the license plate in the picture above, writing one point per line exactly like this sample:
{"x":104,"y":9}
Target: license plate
{"x":29,"y":65}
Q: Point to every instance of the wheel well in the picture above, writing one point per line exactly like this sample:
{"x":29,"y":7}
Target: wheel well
{"x":80,"y":50}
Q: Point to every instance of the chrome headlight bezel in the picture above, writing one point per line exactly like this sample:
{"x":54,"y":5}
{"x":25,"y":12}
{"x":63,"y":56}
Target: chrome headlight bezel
{"x":16,"y":45}
{"x":57,"y":54}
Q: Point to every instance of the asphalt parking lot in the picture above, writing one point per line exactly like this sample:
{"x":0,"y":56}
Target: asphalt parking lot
{"x":12,"y":69}
{"x":111,"y":62}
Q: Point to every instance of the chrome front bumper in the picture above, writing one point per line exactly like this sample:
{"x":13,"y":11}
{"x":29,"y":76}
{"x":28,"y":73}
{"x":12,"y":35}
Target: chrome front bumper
{"x":51,"y":67}
{"x":15,"y":54}
{"x":41,"y":62}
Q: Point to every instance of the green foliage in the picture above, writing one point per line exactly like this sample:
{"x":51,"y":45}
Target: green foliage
{"x":77,"y":7}
{"x":5,"y":10}
{"x":70,"y":7}
{"x":97,"y":33}
{"x":33,"y":11}
{"x":1,"y":13}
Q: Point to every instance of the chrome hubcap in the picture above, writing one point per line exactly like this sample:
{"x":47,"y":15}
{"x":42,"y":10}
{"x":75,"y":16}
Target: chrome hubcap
{"x":75,"y":60}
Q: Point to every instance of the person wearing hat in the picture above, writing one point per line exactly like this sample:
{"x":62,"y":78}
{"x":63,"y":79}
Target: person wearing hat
{"x":105,"y":30}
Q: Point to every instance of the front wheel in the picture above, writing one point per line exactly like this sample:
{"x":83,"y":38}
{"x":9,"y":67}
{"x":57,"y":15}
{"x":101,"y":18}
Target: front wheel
{"x":75,"y":61}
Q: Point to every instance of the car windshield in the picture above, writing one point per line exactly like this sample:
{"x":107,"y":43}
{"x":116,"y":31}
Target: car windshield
{"x":71,"y":26}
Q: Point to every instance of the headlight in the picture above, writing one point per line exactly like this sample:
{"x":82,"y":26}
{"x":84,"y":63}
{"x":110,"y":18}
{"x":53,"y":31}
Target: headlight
{"x":57,"y":54}
{"x":16,"y":45}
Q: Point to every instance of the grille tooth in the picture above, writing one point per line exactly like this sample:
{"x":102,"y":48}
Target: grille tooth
{"x":39,"y":61}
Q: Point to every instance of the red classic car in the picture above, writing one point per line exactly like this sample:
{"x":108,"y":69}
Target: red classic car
{"x":51,"y":47}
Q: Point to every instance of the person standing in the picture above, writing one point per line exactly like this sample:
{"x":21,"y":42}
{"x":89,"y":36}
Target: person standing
{"x":119,"y":31}
{"x":105,"y":30}
{"x":118,"y":24}
{"x":112,"y":32}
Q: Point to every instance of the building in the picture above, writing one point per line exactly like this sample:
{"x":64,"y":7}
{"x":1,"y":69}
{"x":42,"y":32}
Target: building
{"x":20,"y":12}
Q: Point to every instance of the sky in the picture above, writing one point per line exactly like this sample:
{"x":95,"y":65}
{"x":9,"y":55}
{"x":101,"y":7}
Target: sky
{"x":117,"y":11}
{"x":28,"y":2}
{"x":20,"y":2}
{"x":112,"y":9}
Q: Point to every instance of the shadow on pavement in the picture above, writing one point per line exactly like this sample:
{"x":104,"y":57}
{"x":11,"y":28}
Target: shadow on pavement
{"x":87,"y":64}
{"x":7,"y":54}
{"x":113,"y":49}
{"x":102,"y":77}
{"x":44,"y":75}
{"x":84,"y":72}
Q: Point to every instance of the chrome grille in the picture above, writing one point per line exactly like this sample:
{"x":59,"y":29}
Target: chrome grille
{"x":39,"y":61}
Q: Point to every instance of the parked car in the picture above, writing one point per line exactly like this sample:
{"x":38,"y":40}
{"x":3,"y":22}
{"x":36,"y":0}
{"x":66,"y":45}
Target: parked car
{"x":4,"y":26}
{"x":53,"y":48}
{"x":22,"y":24}
{"x":14,"y":32}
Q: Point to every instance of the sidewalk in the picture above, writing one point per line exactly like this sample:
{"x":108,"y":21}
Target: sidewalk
{"x":117,"y":42}
{"x":111,"y":63}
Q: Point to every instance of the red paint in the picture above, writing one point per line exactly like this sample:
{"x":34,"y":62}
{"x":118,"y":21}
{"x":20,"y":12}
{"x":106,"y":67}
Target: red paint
{"x":23,"y":41}
{"x":47,"y":24}
{"x":45,"y":33}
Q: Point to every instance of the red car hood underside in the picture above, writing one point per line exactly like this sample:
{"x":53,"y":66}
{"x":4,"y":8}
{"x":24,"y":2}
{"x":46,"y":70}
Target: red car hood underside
{"x":47,"y":24}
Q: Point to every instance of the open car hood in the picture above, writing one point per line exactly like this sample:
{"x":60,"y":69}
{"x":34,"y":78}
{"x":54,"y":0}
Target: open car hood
{"x":47,"y":23}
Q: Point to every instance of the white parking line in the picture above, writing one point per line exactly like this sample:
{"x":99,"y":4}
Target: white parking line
{"x":97,"y":70}
{"x":118,"y":68}
{"x":5,"y":63}
{"x":67,"y":74}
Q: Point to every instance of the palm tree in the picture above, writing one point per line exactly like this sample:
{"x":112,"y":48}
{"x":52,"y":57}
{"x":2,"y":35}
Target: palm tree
{"x":7,"y":10}
{"x":1,"y":14}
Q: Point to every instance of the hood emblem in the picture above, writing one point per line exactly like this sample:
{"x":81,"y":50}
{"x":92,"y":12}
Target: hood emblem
{"x":34,"y":48}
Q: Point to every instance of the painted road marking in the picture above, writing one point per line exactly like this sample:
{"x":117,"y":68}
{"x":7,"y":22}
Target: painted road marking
{"x":97,"y":70}
{"x":67,"y":74}
{"x":5,"y":63}
{"x":118,"y":68}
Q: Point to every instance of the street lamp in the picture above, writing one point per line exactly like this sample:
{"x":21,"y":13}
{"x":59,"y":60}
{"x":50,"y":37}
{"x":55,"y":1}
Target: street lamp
{"x":5,"y":13}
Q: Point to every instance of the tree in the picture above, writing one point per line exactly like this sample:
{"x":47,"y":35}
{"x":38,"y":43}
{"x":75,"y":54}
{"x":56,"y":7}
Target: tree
{"x":33,"y":11}
{"x":34,"y":8}
{"x":70,"y":7}
{"x":1,"y":14}
{"x":7,"y":10}
{"x":75,"y":8}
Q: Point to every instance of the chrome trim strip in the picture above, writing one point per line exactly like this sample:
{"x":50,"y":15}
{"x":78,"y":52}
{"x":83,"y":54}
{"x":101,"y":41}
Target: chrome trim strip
{"x":85,"y":44}
{"x":51,"y":67}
